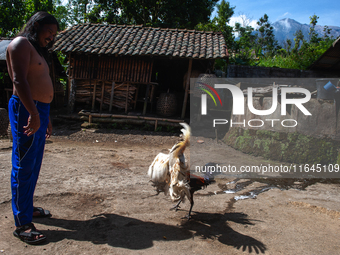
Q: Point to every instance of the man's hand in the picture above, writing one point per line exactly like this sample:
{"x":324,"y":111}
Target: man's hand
{"x":49,"y":130}
{"x":33,"y":124}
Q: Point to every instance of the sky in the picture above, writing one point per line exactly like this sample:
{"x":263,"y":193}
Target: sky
{"x":328,"y":11}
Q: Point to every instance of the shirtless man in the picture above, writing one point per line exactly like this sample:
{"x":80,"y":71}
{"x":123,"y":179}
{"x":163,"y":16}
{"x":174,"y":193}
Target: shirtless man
{"x":29,"y":116}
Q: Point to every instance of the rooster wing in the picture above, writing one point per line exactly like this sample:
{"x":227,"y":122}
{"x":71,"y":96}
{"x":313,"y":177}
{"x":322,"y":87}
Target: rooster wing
{"x":159,"y":169}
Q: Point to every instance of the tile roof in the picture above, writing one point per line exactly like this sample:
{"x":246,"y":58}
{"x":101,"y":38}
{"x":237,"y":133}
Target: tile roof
{"x":138,"y":40}
{"x":3,"y":46}
{"x":329,"y":60}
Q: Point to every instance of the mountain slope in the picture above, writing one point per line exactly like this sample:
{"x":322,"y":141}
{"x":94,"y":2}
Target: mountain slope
{"x":286,"y":28}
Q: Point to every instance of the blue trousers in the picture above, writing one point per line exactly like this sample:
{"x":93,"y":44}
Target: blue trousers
{"x":27,"y":155}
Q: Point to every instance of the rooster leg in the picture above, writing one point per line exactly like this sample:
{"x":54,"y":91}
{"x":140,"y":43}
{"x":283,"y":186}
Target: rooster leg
{"x":176,"y":206}
{"x":191,"y":199}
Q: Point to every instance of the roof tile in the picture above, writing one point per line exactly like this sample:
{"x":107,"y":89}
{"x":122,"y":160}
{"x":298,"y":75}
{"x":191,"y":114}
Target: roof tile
{"x":138,"y":40}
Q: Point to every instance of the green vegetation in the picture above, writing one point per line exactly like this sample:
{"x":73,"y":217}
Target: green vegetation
{"x":16,"y":13}
{"x":251,"y":47}
{"x":154,"y":13}
{"x":286,"y":147}
{"x":267,"y":53}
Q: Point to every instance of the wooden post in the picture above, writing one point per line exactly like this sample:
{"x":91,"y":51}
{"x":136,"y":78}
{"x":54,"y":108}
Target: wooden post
{"x":68,"y":85}
{"x":72,"y":98}
{"x":127,"y":97}
{"x":68,"y":89}
{"x":156,"y":124}
{"x":136,"y":95}
{"x":146,"y":98}
{"x":112,"y":93}
{"x":71,"y":66}
{"x":186,"y":89}
{"x":153,"y":85}
{"x":94,"y":94}
{"x":102,"y":96}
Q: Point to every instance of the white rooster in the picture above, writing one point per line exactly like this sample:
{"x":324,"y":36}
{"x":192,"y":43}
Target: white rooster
{"x":170,"y":173}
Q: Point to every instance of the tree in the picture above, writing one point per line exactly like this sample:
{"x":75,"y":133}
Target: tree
{"x":104,"y":11}
{"x":17,"y":13}
{"x":220,"y":23}
{"x":78,"y":10}
{"x":304,"y":53}
{"x":168,"y":13}
{"x":287,"y":45}
{"x":140,"y":12}
{"x":12,"y":14}
{"x":186,"y":13}
{"x":327,"y":32}
{"x":154,"y":13}
{"x":61,"y":13}
{"x":243,"y":47}
{"x":33,"y":6}
{"x":313,"y":35}
{"x":266,"y":38}
{"x":298,"y":40}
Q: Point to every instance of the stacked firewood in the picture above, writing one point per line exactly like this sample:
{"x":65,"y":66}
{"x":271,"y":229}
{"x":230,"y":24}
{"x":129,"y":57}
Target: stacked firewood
{"x":123,"y":94}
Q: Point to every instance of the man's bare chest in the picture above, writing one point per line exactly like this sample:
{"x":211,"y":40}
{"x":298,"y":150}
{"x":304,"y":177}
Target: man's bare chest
{"x":38,"y":64}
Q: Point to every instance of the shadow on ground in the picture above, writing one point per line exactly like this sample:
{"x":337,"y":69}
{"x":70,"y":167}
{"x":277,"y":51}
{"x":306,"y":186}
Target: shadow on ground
{"x":130,"y":233}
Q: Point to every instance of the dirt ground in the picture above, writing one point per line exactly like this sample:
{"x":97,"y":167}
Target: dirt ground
{"x":94,"y":183}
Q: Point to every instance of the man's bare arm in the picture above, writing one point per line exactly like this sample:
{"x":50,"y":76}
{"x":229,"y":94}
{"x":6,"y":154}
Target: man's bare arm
{"x":19,"y":52}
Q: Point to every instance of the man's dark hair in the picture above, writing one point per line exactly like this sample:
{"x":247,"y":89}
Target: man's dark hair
{"x":30,"y":30}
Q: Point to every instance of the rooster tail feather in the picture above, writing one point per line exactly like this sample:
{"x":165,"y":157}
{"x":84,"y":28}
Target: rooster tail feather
{"x":180,"y":147}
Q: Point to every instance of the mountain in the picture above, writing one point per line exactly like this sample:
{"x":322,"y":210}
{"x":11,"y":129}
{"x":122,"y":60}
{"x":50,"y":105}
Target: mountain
{"x":286,"y":28}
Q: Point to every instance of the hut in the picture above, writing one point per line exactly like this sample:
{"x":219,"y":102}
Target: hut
{"x":6,"y":84}
{"x":329,"y":61}
{"x":129,"y":67}
{"x":56,"y":72}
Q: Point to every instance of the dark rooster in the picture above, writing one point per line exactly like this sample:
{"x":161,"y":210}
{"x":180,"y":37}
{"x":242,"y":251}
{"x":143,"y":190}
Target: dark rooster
{"x":196,"y":183}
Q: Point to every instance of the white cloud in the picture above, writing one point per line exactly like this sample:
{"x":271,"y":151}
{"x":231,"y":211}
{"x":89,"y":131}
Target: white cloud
{"x":285,"y":23}
{"x":243,"y":20}
{"x":285,"y":15}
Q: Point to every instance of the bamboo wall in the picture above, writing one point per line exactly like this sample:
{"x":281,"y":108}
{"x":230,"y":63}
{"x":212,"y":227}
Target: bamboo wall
{"x":118,"y":69}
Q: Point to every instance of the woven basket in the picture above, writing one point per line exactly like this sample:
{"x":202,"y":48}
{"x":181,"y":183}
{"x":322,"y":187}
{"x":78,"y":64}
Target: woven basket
{"x":167,"y":104}
{"x":203,"y":78}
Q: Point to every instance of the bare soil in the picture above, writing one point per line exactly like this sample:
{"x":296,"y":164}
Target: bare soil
{"x":94,"y":183}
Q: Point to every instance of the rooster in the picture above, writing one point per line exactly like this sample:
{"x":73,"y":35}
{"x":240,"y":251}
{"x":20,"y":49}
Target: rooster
{"x":196,"y":183}
{"x":170,"y":173}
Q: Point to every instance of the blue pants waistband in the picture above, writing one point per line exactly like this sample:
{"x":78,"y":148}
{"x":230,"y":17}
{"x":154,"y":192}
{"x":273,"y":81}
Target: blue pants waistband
{"x":15,"y":97}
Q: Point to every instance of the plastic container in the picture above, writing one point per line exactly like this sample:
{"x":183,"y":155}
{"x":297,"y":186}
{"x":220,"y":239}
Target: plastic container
{"x":330,"y":87}
{"x":326,"y":88}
